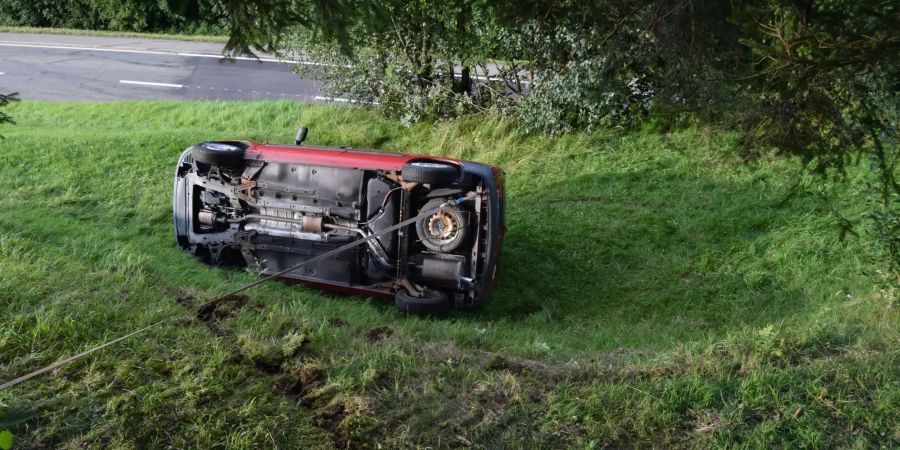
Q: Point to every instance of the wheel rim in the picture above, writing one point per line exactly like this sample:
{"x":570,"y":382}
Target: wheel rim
{"x":442,"y":228}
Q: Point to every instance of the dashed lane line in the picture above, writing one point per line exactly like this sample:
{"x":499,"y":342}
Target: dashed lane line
{"x":281,"y":94}
{"x":341,"y":100}
{"x":156,"y":52}
{"x":150,"y":83}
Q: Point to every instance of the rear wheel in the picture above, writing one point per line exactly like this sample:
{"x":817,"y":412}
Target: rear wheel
{"x":219,"y":154}
{"x":431,"y":302}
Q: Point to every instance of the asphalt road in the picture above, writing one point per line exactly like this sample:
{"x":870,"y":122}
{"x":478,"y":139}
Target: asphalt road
{"x":85,"y":68}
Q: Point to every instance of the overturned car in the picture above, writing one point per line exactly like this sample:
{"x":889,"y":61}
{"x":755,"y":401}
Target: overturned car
{"x":270,"y":207}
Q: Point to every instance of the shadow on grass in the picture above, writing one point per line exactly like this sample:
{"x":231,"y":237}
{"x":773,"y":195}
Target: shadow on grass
{"x":674,"y":255}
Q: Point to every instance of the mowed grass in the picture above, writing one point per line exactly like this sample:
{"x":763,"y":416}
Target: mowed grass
{"x":655,"y":291}
{"x":129,"y":34}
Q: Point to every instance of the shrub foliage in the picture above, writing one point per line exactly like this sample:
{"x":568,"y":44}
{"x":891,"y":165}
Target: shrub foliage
{"x":816,"y":79}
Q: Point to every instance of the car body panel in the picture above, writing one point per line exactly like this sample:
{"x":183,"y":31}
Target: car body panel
{"x":334,"y":156}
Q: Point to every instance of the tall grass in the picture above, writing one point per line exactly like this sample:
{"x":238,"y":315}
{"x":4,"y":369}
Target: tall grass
{"x":654,"y":290}
{"x":192,"y":36}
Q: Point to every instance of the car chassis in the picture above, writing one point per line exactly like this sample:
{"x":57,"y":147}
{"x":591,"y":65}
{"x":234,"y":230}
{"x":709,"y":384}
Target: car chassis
{"x":270,"y":207}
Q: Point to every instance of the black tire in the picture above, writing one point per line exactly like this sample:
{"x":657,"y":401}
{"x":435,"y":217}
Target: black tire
{"x":428,"y":228}
{"x":429,"y":172}
{"x":222,"y":154}
{"x":431,"y":302}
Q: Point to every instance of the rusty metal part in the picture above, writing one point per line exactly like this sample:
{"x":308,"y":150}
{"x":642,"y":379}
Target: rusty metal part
{"x":412,"y":289}
{"x":206,"y":217}
{"x":309,"y":224}
{"x":332,"y":226}
{"x":406,"y":185}
{"x":252,"y":170}
{"x":244,"y":191}
{"x":442,"y":227}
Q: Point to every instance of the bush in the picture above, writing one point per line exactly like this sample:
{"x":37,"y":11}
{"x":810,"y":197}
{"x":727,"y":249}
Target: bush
{"x":117,"y":15}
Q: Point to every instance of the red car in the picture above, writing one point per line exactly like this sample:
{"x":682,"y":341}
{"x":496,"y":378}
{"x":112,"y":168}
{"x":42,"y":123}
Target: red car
{"x":269,"y":207}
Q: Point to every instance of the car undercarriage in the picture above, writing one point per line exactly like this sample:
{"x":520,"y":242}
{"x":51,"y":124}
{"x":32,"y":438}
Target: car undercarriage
{"x":237,"y":204}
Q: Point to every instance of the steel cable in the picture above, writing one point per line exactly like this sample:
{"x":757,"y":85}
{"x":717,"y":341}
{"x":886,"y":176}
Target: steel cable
{"x":219,"y":298}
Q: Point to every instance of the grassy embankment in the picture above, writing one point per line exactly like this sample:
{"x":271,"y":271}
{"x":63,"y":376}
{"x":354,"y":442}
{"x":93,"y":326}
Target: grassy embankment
{"x":654,"y":290}
{"x":129,"y":34}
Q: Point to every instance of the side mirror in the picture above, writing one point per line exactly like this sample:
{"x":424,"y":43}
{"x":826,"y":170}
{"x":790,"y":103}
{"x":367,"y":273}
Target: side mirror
{"x":300,"y":136}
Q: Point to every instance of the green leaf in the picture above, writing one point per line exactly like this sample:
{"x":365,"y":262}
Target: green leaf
{"x":6,"y":439}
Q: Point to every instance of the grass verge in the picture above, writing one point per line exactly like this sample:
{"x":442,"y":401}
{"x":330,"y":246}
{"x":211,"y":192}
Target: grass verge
{"x":654,"y":291}
{"x":131,"y":34}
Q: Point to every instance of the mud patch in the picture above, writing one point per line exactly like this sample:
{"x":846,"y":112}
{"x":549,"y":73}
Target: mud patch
{"x":378,"y":333}
{"x":226,"y":308}
{"x":265,"y":355}
{"x":335,"y":416}
{"x":329,"y":418}
{"x":185,"y":299}
{"x":293,"y":343}
{"x":311,"y":374}
{"x":299,"y":381}
{"x":292,"y":371}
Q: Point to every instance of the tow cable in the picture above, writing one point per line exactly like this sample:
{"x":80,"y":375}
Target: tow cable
{"x":218,"y":299}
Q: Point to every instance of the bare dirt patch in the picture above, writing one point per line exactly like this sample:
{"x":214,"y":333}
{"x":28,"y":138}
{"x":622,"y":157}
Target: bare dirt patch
{"x":378,"y":333}
{"x":298,"y":381}
{"x":226,"y":308}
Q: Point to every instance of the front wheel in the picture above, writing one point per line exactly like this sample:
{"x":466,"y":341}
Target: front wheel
{"x":436,"y":174}
{"x":224,"y":154}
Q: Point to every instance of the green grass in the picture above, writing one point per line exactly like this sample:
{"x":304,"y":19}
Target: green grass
{"x":131,"y":34}
{"x":654,"y":291}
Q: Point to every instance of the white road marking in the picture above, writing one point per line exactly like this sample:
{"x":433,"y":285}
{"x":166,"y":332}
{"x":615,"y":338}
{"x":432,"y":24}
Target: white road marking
{"x":2,"y":73}
{"x":341,"y":100}
{"x":149,"y":83}
{"x":178,"y":86}
{"x":154,"y":52}
{"x":197,"y":55}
